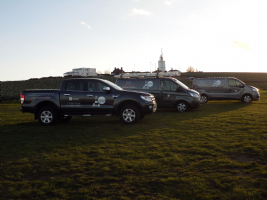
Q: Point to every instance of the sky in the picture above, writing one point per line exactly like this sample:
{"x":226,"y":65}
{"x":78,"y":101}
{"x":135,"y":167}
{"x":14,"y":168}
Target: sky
{"x":41,"y":38}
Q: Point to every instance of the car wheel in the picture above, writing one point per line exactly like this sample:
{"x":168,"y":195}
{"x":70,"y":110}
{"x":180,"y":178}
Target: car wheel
{"x":129,"y":114}
{"x":64,"y":119}
{"x":47,"y":116}
{"x":181,"y":106}
{"x":247,"y":98}
{"x":204,"y":99}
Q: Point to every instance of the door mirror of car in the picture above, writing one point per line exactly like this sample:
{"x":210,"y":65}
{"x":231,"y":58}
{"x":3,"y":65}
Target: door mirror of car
{"x":107,"y":89}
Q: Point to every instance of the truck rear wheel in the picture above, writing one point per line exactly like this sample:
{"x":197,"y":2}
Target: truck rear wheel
{"x":129,"y":114}
{"x":47,"y":116}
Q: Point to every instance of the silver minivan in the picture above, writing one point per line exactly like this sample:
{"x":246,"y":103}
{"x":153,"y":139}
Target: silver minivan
{"x":227,"y":88}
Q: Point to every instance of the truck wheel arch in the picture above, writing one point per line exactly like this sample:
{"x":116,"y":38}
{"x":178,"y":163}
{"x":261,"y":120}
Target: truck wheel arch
{"x":45,"y":104}
{"x":131,"y":102}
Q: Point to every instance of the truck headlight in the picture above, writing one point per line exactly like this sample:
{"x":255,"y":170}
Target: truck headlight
{"x":146,"y":98}
{"x":194,"y":94}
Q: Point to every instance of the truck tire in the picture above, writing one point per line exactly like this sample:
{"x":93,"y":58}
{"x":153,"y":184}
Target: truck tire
{"x":181,"y":106}
{"x":47,"y":116}
{"x":247,"y":98}
{"x":63,"y":119}
{"x":129,"y":114}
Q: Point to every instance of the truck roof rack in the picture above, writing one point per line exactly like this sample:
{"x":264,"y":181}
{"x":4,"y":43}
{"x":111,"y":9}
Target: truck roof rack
{"x":143,"y":75}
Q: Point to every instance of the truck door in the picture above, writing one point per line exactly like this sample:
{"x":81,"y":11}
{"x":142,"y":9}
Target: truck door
{"x":72,"y":98}
{"x":235,"y":89}
{"x":168,"y":93}
{"x":98,"y":101}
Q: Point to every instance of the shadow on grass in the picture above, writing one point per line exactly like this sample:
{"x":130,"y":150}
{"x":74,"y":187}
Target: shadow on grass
{"x":26,"y":139}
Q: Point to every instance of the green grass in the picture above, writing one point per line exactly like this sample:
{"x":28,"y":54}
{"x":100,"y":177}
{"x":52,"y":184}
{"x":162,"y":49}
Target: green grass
{"x":217,"y":151}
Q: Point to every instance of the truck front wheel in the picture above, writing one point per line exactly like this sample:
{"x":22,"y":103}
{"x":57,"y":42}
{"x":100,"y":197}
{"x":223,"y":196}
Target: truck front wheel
{"x":129,"y":114}
{"x":47,"y":116}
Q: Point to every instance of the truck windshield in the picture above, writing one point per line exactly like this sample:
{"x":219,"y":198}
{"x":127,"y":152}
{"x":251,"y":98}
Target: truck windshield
{"x":180,"y":83}
{"x":113,"y":85}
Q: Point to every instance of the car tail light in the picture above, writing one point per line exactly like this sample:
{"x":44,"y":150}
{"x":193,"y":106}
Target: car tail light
{"x":22,"y":98}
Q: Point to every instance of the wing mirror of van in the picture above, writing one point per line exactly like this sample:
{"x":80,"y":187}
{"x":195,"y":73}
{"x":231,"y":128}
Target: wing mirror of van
{"x":178,"y":89}
{"x":106,"y":89}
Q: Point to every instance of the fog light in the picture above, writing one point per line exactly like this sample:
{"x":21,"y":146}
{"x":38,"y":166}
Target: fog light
{"x":150,"y":107}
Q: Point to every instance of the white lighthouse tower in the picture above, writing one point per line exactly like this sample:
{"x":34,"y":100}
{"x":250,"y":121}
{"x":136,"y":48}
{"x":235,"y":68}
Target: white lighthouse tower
{"x":161,"y":63}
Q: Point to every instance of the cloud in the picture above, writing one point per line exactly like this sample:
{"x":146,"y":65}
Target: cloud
{"x":138,"y":12}
{"x":168,"y":2}
{"x":83,"y":23}
{"x":237,"y":44}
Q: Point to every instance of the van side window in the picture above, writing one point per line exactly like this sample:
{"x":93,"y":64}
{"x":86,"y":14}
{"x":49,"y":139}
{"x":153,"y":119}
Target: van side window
{"x":174,"y":86}
{"x":74,"y":85}
{"x":165,"y":84}
{"x":168,"y":85}
{"x":234,"y":83}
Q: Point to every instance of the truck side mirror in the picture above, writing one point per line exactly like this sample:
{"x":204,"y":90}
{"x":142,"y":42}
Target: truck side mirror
{"x":106,"y":89}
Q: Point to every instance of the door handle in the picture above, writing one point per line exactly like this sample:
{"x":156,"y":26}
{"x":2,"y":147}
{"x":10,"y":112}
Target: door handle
{"x":66,"y":94}
{"x":114,"y":96}
{"x":90,"y":95}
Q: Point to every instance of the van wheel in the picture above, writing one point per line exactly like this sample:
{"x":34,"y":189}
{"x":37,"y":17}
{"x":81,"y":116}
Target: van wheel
{"x":204,"y":99}
{"x":47,"y":116}
{"x":181,"y":106}
{"x":129,"y":114}
{"x":64,"y":119}
{"x":247,"y":98}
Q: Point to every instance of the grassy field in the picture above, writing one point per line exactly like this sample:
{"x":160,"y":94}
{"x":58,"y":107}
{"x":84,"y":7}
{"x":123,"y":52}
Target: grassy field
{"x":218,"y":151}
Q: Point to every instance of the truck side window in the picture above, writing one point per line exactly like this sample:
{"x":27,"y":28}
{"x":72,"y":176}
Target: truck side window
{"x":101,"y":86}
{"x":74,"y":85}
{"x":95,"y":86}
{"x":92,"y":86}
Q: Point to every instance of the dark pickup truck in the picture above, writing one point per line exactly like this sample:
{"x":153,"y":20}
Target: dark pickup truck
{"x":87,"y":97}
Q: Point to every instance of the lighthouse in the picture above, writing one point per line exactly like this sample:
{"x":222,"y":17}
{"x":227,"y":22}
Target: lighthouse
{"x":161,"y":63}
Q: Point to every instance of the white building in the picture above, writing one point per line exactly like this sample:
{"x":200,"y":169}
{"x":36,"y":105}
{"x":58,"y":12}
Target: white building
{"x":82,"y":72}
{"x":161,"y":63}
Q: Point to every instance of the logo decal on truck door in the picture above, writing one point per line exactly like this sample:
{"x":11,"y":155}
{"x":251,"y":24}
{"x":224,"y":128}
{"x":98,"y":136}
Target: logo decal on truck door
{"x":98,"y":101}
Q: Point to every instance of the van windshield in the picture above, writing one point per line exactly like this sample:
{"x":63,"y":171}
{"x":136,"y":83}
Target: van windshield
{"x":113,"y":85}
{"x":180,"y":83}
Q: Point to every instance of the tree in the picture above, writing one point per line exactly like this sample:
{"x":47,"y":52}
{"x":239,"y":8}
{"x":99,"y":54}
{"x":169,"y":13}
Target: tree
{"x":190,"y":69}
